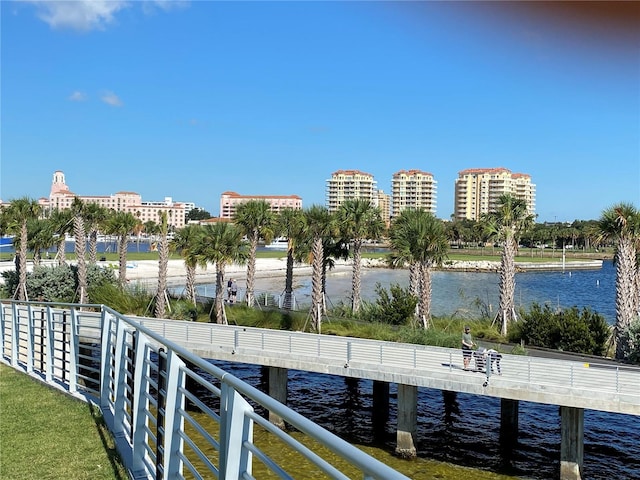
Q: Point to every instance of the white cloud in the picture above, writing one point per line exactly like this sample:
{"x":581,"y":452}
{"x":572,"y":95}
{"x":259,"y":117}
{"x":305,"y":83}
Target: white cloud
{"x":78,"y":96}
{"x":112,"y":99}
{"x":83,"y":15}
{"x":86,"y":15}
{"x":150,"y":6}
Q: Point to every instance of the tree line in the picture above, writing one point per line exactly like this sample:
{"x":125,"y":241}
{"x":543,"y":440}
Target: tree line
{"x":416,"y":238}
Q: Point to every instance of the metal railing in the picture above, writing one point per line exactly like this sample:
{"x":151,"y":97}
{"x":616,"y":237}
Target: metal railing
{"x":590,"y":384}
{"x":173,"y":414}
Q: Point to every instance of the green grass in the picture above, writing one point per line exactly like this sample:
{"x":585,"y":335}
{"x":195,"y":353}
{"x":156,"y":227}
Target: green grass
{"x":46,"y":434}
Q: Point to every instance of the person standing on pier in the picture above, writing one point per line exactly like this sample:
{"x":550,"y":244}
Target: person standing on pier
{"x":467,"y":346}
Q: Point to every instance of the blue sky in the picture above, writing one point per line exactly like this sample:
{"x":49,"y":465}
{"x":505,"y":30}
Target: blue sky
{"x":191,"y":99}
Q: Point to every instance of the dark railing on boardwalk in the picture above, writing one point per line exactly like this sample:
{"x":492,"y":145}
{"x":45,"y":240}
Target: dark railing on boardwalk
{"x":144,"y":383}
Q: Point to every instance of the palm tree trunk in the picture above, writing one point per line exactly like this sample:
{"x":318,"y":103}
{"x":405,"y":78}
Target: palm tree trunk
{"x":163,"y":261}
{"x":507,"y":284}
{"x":220,"y":318}
{"x":191,"y":283}
{"x":21,"y":292}
{"x":355,"y":279}
{"x":625,"y":292}
{"x":425,"y":294}
{"x":251,"y":268}
{"x":288,"y":282}
{"x":414,"y":286}
{"x":80,"y":249}
{"x":316,"y":284}
{"x":61,"y":253}
{"x":93,"y":247}
{"x":122,"y":255}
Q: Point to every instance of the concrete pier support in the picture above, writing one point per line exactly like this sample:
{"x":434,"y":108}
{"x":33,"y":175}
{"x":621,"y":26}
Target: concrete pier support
{"x":508,"y":423}
{"x":407,"y":420}
{"x":278,"y":389}
{"x":571,"y":443}
{"x":380,"y":411}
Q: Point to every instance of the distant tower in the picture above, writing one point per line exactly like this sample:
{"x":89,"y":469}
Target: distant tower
{"x":58,"y":185}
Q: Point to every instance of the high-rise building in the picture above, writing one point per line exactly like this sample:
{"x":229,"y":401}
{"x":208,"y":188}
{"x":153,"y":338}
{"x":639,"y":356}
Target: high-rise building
{"x":61,"y":197}
{"x":350,"y":185}
{"x":384,"y":204}
{"x":230,"y":200}
{"x":413,"y":189}
{"x":477,"y":191}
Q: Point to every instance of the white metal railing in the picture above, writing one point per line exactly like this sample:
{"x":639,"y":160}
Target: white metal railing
{"x":577,"y":381}
{"x":160,"y":400}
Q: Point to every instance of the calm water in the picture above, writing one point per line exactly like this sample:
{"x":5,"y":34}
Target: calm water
{"x":463,"y":430}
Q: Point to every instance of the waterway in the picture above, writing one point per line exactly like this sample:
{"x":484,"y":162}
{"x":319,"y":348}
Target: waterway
{"x":457,"y":436}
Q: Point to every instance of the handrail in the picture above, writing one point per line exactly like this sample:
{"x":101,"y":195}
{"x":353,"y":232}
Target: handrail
{"x":578,"y":383}
{"x":146,"y":394}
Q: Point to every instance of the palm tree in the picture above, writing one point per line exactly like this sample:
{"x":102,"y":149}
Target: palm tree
{"x":621,"y":224}
{"x":358,"y":220}
{"x":20,"y":212}
{"x":41,"y":237}
{"x":507,"y":223}
{"x":186,"y":242}
{"x":78,"y":209}
{"x":418,"y":238}
{"x":319,"y":223}
{"x":291,"y":224}
{"x":163,"y":261}
{"x":222,"y":244}
{"x":121,"y":224}
{"x":94,"y":218}
{"x":256,"y":220}
{"x":62,"y":223}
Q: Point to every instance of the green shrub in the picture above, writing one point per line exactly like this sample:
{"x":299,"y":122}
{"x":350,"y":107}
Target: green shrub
{"x":571,"y":330}
{"x":630,"y":339}
{"x":394,"y":307}
{"x":58,"y":283}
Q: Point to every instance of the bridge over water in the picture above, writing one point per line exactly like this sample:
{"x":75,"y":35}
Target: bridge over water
{"x":573,"y":385}
{"x":136,"y":355}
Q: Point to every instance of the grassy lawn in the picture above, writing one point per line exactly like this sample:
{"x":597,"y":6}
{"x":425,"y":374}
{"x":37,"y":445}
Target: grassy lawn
{"x":476,"y":254}
{"x":45,"y":434}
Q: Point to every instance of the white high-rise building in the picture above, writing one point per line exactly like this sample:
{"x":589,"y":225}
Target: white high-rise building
{"x":350,"y":185}
{"x":413,"y":189}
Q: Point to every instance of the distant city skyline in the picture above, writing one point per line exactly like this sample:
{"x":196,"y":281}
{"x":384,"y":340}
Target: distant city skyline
{"x":192,"y":99}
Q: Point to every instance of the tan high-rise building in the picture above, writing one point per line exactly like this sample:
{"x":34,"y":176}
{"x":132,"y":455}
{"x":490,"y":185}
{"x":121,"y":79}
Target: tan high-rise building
{"x":350,"y":185}
{"x":413,"y":189}
{"x":384,"y":204}
{"x":477,"y":191}
{"x":230,"y":200}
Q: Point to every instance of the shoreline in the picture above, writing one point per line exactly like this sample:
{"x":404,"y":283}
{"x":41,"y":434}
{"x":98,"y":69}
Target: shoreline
{"x":145,"y":271}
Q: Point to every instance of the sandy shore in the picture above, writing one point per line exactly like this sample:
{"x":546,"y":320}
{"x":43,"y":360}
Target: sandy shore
{"x":272,"y":270}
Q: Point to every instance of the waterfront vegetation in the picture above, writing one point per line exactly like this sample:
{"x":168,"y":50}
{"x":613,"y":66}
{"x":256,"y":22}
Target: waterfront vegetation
{"x":46,"y":434}
{"x":415,"y":240}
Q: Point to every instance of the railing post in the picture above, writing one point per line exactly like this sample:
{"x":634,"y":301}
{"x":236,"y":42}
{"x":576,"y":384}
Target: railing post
{"x":30,"y":339}
{"x":119,"y":380}
{"x":74,"y":351}
{"x":174,"y":423}
{"x":131,"y":372}
{"x":348,"y":352}
{"x":235,"y":429}
{"x":106,"y":367}
{"x":162,"y":407}
{"x":140,"y":408}
{"x":64,"y":345}
{"x":43,"y":336}
{"x":15,"y":335}
{"x":51,"y":340}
